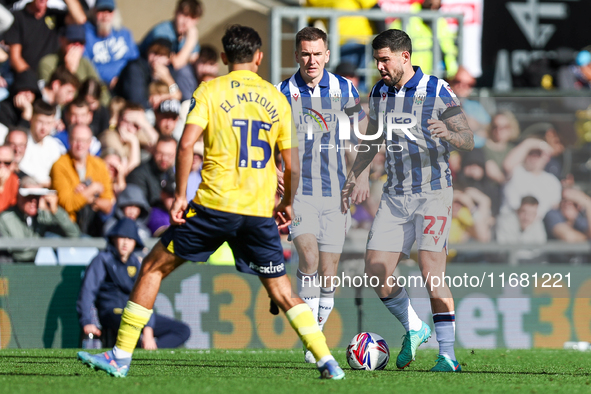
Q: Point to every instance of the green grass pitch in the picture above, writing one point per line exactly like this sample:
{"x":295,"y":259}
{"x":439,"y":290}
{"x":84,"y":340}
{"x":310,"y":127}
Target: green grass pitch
{"x":284,"y":371}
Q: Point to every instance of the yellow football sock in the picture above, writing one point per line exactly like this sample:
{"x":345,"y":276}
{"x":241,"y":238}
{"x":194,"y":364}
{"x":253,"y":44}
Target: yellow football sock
{"x":133,"y":320}
{"x":302,"y":320}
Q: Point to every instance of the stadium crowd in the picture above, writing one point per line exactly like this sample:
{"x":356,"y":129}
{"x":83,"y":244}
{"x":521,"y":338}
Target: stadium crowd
{"x":90,"y":120}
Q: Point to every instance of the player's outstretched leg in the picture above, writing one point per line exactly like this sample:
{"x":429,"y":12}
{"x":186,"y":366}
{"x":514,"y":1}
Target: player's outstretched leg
{"x":303,"y":322}
{"x":156,"y":266}
{"x":445,"y":328}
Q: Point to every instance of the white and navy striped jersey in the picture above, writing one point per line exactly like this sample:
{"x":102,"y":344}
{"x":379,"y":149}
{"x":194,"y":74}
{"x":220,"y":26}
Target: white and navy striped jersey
{"x":322,"y":158}
{"x":421,"y":165}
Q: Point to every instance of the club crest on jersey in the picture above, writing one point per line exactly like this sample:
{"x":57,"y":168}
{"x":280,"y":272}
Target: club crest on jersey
{"x":131,"y":271}
{"x":420,"y":98}
{"x":384,"y":95}
{"x":295,"y":96}
{"x":335,"y":95}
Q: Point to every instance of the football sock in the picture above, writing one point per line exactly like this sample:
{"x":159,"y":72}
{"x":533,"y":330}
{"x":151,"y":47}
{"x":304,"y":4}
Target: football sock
{"x":325,"y":305}
{"x":309,"y":290}
{"x":399,"y":305}
{"x":303,"y":322}
{"x":133,"y":320}
{"x":445,"y":329}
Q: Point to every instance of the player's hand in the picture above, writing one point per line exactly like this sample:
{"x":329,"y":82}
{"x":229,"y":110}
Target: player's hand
{"x":361,"y":190}
{"x":148,"y":340}
{"x":280,"y":182}
{"x":177,"y":211}
{"x":438,"y":129}
{"x":346,"y":193}
{"x":283,"y":214}
{"x":73,"y":57}
{"x":92,"y":329}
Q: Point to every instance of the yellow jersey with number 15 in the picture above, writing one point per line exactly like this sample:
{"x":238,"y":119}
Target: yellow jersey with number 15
{"x":243,"y":117}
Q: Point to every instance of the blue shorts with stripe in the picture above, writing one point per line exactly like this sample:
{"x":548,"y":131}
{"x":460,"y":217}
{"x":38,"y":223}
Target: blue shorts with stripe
{"x":254,"y":240}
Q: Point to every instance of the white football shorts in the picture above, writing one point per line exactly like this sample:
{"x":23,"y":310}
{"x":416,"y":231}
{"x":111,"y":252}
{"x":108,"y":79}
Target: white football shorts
{"x":403,"y":219}
{"x":321,"y":217}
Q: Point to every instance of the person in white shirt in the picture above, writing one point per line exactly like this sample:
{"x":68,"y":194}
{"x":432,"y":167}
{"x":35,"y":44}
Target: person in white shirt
{"x":42,"y":149}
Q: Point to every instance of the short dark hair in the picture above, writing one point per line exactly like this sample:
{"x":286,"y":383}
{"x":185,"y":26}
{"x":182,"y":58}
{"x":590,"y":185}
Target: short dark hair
{"x":208,"y":54}
{"x":241,"y":43}
{"x":78,"y":102}
{"x":310,"y":34}
{"x":165,"y":138}
{"x":90,"y":87}
{"x":530,"y":200}
{"x":192,"y":8}
{"x":395,"y":39}
{"x":40,"y":107}
{"x":64,"y":76}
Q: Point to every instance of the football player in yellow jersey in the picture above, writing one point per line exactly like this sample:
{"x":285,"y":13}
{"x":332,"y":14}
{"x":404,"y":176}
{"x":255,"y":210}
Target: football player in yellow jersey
{"x":241,"y":117}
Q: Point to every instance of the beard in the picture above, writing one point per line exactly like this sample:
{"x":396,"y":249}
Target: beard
{"x":393,"y":79}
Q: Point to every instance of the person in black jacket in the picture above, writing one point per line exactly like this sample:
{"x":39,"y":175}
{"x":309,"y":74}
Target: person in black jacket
{"x":107,"y":284}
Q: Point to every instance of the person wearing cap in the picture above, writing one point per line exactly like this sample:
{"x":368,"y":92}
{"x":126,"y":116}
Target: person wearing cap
{"x":167,"y":117}
{"x":108,"y":49}
{"x":183,"y":34}
{"x":35,"y":32}
{"x":107,"y":284}
{"x":83,"y":183}
{"x":35,"y":214}
{"x":135,"y":78}
{"x":72,"y":43}
{"x":9,"y":181}
{"x":17,"y":109}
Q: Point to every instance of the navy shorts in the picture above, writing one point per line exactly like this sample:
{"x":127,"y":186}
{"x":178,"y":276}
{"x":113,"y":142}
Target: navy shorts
{"x":254,"y":240}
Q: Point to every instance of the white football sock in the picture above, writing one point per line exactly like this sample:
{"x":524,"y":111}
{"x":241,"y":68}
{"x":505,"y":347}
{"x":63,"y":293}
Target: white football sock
{"x":326,"y":305}
{"x":320,"y":363}
{"x":445,"y":329}
{"x":118,"y":353}
{"x":399,"y":306}
{"x":309,"y":290}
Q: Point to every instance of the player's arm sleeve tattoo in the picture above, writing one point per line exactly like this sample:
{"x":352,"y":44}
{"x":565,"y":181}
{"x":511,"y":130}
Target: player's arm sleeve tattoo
{"x":461,"y":136}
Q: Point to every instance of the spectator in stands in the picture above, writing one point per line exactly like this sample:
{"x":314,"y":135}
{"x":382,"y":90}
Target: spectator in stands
{"x":91,"y":92}
{"x":504,"y":129}
{"x":35,"y":214}
{"x":107,"y":284}
{"x":473,"y":174}
{"x":83,"y":183}
{"x":523,"y":226}
{"x":9,"y":182}
{"x":136,"y":77}
{"x":182,"y":33}
{"x":116,"y":169}
{"x":478,"y":118}
{"x":60,"y":91}
{"x":133,"y":132}
{"x":149,"y":175}
{"x":42,"y":149}
{"x":34,"y":32}
{"x":159,"y":92}
{"x":195,"y":175}
{"x":159,"y":219}
{"x":577,"y":76}
{"x":558,"y":164}
{"x":16,"y":139}
{"x":421,"y":33}
{"x":570,"y":222}
{"x":109,"y":49}
{"x":132,"y":204}
{"x":471,"y":216}
{"x":207,"y":63}
{"x":348,"y":70}
{"x":17,"y":109}
{"x":77,"y":113}
{"x":167,"y":117}
{"x":524,"y":167}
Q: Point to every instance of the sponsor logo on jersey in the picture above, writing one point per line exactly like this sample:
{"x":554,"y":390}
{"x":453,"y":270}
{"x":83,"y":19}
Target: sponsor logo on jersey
{"x":295,"y":96}
{"x":193,"y":103}
{"x":271,"y":269}
{"x":234,"y":84}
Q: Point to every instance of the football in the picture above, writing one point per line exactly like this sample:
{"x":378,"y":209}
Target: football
{"x":368,"y":351}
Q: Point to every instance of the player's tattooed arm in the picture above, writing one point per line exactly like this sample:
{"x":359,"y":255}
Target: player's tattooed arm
{"x":454,"y":130}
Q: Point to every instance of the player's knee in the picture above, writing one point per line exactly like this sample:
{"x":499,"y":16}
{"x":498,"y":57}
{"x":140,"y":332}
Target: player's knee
{"x":184,"y":332}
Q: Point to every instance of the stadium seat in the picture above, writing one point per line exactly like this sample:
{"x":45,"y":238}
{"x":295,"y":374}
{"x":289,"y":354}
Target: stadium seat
{"x":45,"y":256}
{"x":76,"y":256}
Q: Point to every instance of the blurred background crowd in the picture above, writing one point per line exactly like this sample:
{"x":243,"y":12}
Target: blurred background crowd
{"x":90,"y":117}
